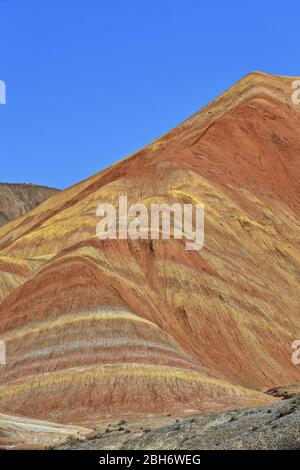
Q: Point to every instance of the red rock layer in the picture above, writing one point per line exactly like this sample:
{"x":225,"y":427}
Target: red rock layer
{"x":135,"y":327}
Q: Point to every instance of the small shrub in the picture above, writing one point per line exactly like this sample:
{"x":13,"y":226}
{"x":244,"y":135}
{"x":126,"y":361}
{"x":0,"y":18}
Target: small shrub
{"x":122,"y":422}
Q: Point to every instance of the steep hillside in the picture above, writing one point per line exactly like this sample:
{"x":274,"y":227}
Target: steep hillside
{"x":100,"y":329}
{"x":17,"y":199}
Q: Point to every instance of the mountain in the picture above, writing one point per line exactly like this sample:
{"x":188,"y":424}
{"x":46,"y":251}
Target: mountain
{"x":17,"y":199}
{"x":102,"y":329}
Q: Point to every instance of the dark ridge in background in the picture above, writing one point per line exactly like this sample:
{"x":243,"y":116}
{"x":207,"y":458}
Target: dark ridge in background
{"x":17,"y":199}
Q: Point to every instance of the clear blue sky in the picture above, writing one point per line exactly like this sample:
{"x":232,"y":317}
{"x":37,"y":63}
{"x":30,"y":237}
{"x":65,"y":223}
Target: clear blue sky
{"x":91,"y":81}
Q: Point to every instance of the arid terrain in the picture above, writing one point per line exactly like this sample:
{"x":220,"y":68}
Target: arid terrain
{"x":275,"y":427}
{"x":17,"y":199}
{"x":99,"y":331}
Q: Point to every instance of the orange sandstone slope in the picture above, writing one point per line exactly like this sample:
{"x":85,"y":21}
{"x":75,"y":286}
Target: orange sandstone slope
{"x":99,"y":329}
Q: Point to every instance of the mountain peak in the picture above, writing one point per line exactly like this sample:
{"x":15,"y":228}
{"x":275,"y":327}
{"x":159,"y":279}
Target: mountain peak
{"x":96,"y":329}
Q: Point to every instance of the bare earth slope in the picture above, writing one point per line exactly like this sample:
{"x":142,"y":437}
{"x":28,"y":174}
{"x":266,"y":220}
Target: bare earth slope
{"x":17,"y":199}
{"x":102,"y":329}
{"x":24,"y":433}
{"x":275,"y":427}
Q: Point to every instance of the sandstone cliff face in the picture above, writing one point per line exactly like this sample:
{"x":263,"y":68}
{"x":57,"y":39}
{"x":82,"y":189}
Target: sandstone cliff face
{"x":17,"y":199}
{"x":96,"y":329}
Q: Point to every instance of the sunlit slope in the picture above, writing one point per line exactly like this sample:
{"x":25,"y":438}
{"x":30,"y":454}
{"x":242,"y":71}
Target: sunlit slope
{"x":128,"y":327}
{"x":17,"y":433}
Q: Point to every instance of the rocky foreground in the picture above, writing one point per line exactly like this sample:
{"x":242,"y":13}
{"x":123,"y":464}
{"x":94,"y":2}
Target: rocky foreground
{"x":268,"y":427}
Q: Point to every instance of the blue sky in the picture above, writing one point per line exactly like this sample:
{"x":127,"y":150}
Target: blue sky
{"x":91,"y":81}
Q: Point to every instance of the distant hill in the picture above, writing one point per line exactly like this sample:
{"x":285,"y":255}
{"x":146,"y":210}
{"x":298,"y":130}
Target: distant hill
{"x":17,"y":199}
